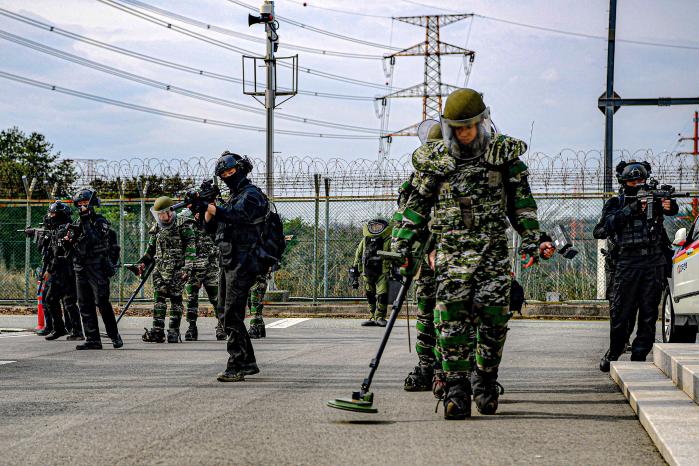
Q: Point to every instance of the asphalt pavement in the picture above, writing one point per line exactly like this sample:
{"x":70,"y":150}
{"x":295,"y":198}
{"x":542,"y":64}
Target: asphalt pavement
{"x":152,"y":403}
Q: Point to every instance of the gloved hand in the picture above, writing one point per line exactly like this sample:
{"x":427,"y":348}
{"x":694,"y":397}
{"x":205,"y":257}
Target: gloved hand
{"x":527,"y":260}
{"x":198,"y":206}
{"x":407,"y":268}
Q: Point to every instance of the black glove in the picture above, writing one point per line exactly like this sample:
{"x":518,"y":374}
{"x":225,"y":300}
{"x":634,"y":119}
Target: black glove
{"x":199,"y":206}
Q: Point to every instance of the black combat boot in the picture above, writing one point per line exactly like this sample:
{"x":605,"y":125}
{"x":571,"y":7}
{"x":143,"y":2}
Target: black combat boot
{"x":370,"y":323}
{"x":154,"y":335}
{"x":220,"y":332}
{"x":457,"y":401}
{"x":419,"y":380}
{"x":89,"y":344}
{"x":75,"y":335}
{"x":439,"y":384}
{"x":381,"y":320}
{"x":192,"y":333}
{"x":486,"y":391}
{"x":173,"y":335}
{"x":604,"y":363}
{"x":250,"y":368}
{"x":117,"y":342}
{"x":231,"y":375}
{"x":257,"y":329}
{"x":57,"y":333}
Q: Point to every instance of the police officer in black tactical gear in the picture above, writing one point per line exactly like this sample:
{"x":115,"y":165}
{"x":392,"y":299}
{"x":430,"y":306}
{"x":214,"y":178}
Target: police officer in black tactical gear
{"x":60,"y":282}
{"x":237,"y":226}
{"x":95,"y":253}
{"x":642,"y":264}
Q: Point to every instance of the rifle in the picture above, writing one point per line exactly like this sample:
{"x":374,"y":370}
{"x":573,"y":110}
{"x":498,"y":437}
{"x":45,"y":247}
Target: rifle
{"x":651,"y":193}
{"x":207,"y":193}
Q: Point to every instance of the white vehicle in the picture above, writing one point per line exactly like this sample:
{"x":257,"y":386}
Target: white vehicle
{"x":680,"y":301}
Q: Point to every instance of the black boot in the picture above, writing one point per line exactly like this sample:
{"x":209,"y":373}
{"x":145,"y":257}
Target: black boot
{"x":173,"y":335}
{"x":117,"y":342}
{"x":250,"y":369}
{"x":154,"y":335}
{"x":231,"y":375}
{"x":486,"y":391}
{"x":192,"y":333}
{"x":220,"y":332}
{"x":369,"y":323}
{"x":57,"y":333}
{"x":419,"y":380}
{"x":89,"y":344}
{"x":604,"y":363}
{"x":75,"y":335}
{"x":381,"y":321}
{"x":457,"y":401}
{"x":257,"y":330}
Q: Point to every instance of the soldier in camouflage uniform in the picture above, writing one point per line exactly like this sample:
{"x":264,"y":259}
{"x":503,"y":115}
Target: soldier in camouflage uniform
{"x":257,"y":295}
{"x":374,"y":270}
{"x":204,"y":273}
{"x":475,"y":181}
{"x":172,"y":246}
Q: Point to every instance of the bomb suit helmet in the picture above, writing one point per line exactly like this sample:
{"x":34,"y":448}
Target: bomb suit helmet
{"x":464,"y":108}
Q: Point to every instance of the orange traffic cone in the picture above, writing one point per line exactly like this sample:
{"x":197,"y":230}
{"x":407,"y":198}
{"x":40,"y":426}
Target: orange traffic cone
{"x":41,"y":323}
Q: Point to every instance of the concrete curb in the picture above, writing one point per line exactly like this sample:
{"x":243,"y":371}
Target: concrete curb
{"x":668,"y":415}
{"x":680,"y":362}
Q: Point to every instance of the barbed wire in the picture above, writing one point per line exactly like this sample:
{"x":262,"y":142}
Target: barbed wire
{"x":571,"y":171}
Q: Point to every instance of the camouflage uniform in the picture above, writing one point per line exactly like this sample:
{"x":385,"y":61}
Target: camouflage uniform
{"x":173,"y":248}
{"x":375,"y":277}
{"x":255,"y":303}
{"x":204,"y":273}
{"x":472,"y":201}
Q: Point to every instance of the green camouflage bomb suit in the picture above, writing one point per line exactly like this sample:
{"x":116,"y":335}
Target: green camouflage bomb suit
{"x":472,"y":201}
{"x":173,"y":248}
{"x":204,"y":272}
{"x":374,"y":270}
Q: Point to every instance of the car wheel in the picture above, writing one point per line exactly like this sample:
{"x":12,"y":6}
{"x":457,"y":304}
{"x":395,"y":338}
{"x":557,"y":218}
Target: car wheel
{"x":671,"y":332}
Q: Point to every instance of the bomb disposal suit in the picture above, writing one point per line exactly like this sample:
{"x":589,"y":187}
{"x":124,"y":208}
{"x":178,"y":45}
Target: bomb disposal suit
{"x":474,"y":188}
{"x":376,"y":236}
{"x":642,"y":262}
{"x":172,"y":246}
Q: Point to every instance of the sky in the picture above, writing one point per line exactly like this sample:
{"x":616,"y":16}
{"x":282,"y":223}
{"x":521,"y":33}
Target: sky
{"x":541,"y":87}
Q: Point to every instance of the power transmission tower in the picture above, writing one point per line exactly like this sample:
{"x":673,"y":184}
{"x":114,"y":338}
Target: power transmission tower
{"x":432,"y":89}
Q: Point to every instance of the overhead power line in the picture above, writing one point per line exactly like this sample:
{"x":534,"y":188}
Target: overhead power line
{"x":248,"y":37}
{"x":166,"y":113}
{"x":319,"y":30}
{"x":159,"y":61}
{"x":337,"y":10}
{"x":224,"y":45}
{"x":169,"y":87}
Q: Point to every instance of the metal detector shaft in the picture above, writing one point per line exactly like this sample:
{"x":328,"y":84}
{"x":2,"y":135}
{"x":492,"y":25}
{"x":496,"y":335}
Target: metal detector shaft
{"x":146,"y":273}
{"x":395,"y":310}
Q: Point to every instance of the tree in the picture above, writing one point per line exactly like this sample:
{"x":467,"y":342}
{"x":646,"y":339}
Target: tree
{"x":32,"y":156}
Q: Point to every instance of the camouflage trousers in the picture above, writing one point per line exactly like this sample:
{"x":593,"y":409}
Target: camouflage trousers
{"x":206,"y":277}
{"x":473,"y":276}
{"x":256,"y":298}
{"x":167,"y":285}
{"x":376,"y":289}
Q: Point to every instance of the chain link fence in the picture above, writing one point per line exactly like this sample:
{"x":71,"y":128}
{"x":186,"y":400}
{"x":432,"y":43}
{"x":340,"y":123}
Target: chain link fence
{"x":325,"y":203}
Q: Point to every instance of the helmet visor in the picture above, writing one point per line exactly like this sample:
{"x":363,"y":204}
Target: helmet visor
{"x":375,"y":227}
{"x":423,"y":129}
{"x":165,"y":217}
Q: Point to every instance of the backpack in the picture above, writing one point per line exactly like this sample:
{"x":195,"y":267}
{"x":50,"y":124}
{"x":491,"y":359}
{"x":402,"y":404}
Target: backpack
{"x":272,"y":241}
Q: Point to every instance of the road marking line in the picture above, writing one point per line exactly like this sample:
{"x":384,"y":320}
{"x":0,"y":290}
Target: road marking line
{"x":286,"y":323}
{"x":6,"y":362}
{"x":17,"y":335}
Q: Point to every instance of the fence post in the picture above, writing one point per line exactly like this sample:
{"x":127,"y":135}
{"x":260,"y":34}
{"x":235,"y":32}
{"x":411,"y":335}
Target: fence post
{"x":28,"y":189}
{"x":601,"y":273}
{"x":142,"y":193}
{"x":121,"y":185}
{"x":326,"y":251}
{"x":316,"y":182}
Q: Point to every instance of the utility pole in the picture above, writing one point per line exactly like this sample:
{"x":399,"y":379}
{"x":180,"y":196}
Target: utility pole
{"x":432,"y":89}
{"x":270,"y":91}
{"x":695,"y":153}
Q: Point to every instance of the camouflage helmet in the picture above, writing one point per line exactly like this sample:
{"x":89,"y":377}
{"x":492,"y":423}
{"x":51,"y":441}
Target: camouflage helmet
{"x":435,"y":133}
{"x":162,"y":203}
{"x":463,"y":105}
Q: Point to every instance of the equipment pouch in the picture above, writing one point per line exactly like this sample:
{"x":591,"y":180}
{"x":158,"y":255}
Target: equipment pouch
{"x":226,"y":249}
{"x":466,"y":206}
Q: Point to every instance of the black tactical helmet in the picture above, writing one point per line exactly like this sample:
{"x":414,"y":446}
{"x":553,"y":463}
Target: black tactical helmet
{"x":60,"y":209}
{"x":231,"y":160}
{"x":632,"y":170}
{"x":86,"y":194}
